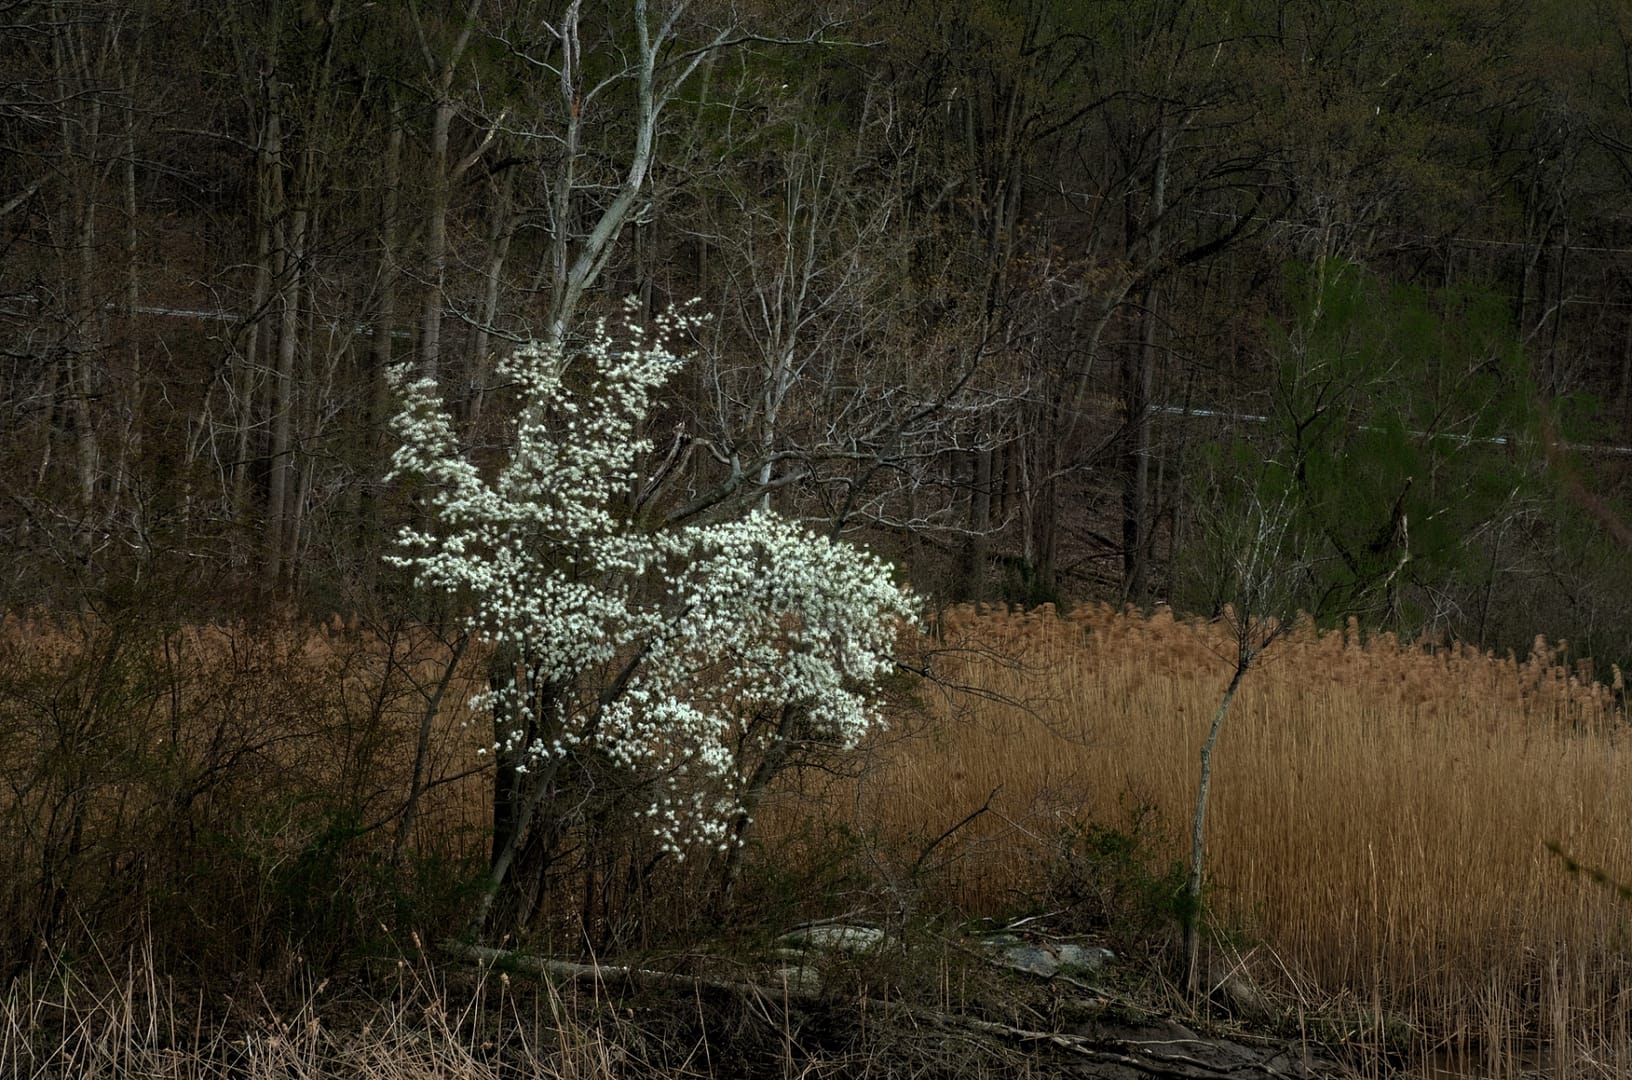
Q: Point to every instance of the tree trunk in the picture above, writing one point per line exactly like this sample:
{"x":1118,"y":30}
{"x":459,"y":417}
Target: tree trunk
{"x":500,"y":231}
{"x":520,"y":786}
{"x":81,"y":150}
{"x":245,"y":380}
{"x":436,"y":244}
{"x":443,"y":175}
{"x":1137,"y":380}
{"x":381,"y":346}
{"x":776,"y":756}
{"x":978,"y":542}
{"x":291,"y":261}
{"x":1138,"y":375}
{"x":131,"y":445}
{"x":1198,"y":826}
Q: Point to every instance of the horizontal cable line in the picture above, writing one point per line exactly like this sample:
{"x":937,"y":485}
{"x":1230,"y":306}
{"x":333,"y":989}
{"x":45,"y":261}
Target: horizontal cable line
{"x":361,"y":329}
{"x":1488,"y":440}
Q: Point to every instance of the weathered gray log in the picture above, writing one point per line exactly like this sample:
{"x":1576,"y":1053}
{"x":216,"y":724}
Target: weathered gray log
{"x":613,"y":973}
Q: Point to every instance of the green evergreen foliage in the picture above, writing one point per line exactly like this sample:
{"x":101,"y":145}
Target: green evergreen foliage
{"x":1401,"y":429}
{"x":1118,"y":880}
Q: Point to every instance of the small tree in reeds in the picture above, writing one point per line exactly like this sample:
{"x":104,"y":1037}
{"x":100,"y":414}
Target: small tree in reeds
{"x":1268,"y":564}
{"x":1315,"y":519}
{"x":676,"y":654}
{"x":1255,"y":569}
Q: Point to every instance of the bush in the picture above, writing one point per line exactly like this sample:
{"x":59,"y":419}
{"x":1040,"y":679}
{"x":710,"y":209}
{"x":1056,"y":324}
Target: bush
{"x":1118,"y":882}
{"x":233,"y":794}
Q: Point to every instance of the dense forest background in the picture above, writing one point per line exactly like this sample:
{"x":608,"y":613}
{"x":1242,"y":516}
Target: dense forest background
{"x":1024,"y":294}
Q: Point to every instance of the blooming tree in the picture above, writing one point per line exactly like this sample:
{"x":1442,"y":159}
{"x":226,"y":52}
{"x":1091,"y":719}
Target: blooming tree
{"x":649,"y":646}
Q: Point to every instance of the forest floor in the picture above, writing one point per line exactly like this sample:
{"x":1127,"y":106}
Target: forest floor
{"x":941,"y":1009}
{"x":855,"y":1002}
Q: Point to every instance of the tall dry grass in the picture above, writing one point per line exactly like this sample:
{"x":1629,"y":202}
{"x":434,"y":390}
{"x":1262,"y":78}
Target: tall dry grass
{"x":133,"y":1022}
{"x":234,"y":793}
{"x":1379,"y":818}
{"x":1378,"y":827}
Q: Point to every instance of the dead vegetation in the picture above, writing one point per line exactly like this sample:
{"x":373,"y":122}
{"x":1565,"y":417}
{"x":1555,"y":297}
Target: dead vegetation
{"x":1381,"y":816}
{"x":222,"y":809}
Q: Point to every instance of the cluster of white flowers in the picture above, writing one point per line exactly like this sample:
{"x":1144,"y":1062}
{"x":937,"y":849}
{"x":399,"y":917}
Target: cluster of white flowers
{"x":658,"y":642}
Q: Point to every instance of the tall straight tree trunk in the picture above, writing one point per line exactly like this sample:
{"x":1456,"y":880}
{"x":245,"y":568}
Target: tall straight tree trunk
{"x":87,"y":451}
{"x":441,"y":70}
{"x":81,"y":139}
{"x":1138,"y":375}
{"x":500,"y":230}
{"x":130,"y":444}
{"x":436,"y":244}
{"x":1045,"y":525}
{"x":314,"y":382}
{"x":1138,"y":378}
{"x":245,"y":383}
{"x":290,"y":261}
{"x":380,"y":353}
{"x":977,"y":525}
{"x":914,"y":540}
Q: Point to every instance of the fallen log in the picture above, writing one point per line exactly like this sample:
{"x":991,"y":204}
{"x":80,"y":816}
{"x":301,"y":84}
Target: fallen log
{"x":1154,"y":1058}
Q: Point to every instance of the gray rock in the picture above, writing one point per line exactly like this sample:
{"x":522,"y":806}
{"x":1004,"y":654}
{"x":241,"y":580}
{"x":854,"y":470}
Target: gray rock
{"x":1049,"y":958}
{"x":1243,"y":999}
{"x":836,"y":937}
{"x":797,"y":977}
{"x":1232,"y":986}
{"x":1030,"y":959}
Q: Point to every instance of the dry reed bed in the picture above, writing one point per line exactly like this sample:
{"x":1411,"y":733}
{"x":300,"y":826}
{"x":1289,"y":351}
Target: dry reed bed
{"x":1379,"y":819}
{"x":336,"y":708}
{"x":193,"y":782}
{"x":1379,"y":814}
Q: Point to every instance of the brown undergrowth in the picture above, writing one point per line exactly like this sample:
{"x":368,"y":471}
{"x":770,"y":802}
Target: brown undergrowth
{"x":411,"y":1022}
{"x":234,"y":794}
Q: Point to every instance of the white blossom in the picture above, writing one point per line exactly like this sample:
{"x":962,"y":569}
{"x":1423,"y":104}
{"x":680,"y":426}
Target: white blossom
{"x":696,"y":628}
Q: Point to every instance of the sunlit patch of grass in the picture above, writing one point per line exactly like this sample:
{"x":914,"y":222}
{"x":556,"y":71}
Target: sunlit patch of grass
{"x":1380,"y":813}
